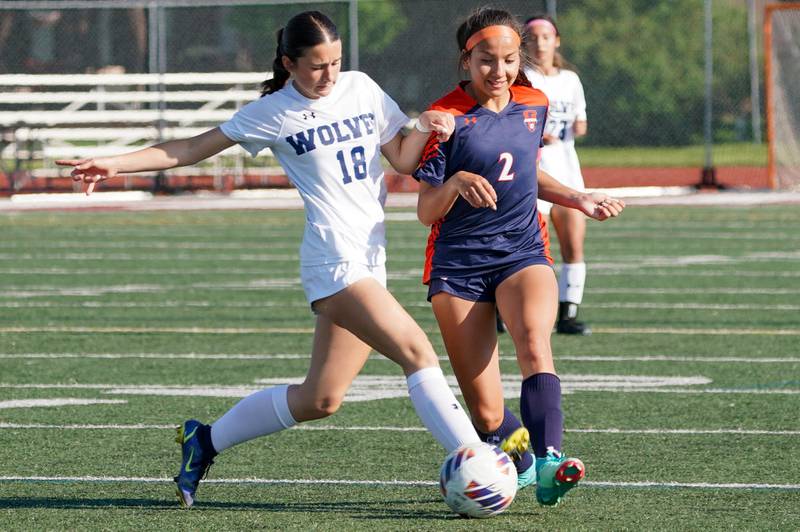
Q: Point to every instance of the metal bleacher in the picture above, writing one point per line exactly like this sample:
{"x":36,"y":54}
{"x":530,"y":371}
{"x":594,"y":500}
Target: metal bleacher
{"x":44,"y":117}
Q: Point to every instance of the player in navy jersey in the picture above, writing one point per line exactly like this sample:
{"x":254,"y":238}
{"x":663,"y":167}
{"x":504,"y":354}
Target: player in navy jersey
{"x":488,"y":248}
{"x":328,"y":129}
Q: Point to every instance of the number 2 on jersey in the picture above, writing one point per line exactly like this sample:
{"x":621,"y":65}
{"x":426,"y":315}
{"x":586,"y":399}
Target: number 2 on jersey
{"x":507,"y":159}
{"x":359,"y":164}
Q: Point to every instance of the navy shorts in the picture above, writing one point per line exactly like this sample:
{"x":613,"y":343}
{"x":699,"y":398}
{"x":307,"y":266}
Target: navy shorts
{"x":480,"y":286}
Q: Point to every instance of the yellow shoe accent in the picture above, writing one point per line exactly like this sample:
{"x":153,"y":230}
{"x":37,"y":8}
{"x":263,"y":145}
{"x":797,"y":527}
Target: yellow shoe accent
{"x":517,"y":443}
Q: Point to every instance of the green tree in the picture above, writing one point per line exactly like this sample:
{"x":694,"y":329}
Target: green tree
{"x":379,"y":22}
{"x":642,"y":66}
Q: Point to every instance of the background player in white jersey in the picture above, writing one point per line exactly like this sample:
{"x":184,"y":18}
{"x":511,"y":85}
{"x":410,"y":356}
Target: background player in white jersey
{"x":328,"y":130}
{"x":566,"y":120}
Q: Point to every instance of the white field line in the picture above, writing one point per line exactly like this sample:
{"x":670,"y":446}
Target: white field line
{"x":713,"y":332}
{"x":761,"y":274}
{"x":301,"y":330}
{"x":402,"y":483}
{"x":367,"y":393}
{"x":645,"y":305}
{"x":656,"y":234}
{"x":264,"y":285}
{"x":156,"y":304}
{"x":657,"y":432}
{"x":57,"y":270}
{"x":410,"y":274}
{"x":650,"y":291}
{"x":34,"y":403}
{"x":609,"y":261}
{"x":212,"y":229}
{"x":138,"y":257}
{"x":693,"y":291}
{"x":263,"y":241}
{"x":261,"y":285}
{"x":147,"y":244}
{"x":303,"y":356}
{"x":161,"y":330}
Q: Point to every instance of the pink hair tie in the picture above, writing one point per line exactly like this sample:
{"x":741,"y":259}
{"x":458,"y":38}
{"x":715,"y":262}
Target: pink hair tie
{"x":542,"y":22}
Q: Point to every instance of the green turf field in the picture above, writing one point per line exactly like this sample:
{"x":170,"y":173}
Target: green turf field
{"x":683,"y":404}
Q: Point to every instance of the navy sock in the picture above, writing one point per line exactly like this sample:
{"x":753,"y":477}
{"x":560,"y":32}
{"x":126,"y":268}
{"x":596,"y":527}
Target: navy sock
{"x":507,"y":427}
{"x":204,"y":438}
{"x":540,"y":405}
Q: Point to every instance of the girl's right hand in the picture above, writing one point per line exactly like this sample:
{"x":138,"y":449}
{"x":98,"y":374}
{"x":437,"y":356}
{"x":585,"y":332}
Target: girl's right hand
{"x":475,"y":189}
{"x":89,"y":171}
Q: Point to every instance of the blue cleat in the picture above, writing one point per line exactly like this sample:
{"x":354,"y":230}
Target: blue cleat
{"x":556,"y":475}
{"x":515,"y":446}
{"x":526,"y":478}
{"x":194,"y":463}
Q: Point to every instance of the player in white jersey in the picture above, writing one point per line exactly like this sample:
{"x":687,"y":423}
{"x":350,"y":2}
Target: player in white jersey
{"x":328,"y":130}
{"x":566,"y":119}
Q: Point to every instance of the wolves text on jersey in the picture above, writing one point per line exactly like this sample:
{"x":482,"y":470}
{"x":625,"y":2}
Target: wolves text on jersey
{"x":327,"y":134}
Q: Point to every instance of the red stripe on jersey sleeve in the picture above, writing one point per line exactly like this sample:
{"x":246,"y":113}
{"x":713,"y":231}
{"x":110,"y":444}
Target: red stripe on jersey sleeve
{"x":430,"y":151}
{"x":456,"y":102}
{"x":528,"y":96}
{"x":543,"y":230}
{"x":426,"y":272}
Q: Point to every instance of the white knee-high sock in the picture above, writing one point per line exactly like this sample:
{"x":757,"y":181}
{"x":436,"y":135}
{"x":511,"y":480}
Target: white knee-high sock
{"x":258,"y":414}
{"x":439,"y":409}
{"x":571,"y":281}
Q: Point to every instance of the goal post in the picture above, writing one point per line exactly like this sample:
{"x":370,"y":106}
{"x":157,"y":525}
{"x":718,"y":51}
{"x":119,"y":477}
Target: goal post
{"x":781,"y":80}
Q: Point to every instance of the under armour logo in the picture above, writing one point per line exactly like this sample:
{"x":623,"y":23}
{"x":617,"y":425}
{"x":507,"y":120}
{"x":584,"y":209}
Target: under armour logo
{"x":310,"y":113}
{"x":470,"y":120}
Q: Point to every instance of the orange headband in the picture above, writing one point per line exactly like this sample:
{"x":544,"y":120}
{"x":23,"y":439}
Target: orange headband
{"x":492,"y":31}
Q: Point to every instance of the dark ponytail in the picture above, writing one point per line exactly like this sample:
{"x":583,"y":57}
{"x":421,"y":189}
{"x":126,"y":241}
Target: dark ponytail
{"x":483,"y":18}
{"x":303,"y":31}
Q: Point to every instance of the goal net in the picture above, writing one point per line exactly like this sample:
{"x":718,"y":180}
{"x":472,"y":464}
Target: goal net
{"x":782,"y":56}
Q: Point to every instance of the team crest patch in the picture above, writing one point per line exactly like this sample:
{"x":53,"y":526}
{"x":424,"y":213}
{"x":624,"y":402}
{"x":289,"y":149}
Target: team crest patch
{"x":529,"y":117}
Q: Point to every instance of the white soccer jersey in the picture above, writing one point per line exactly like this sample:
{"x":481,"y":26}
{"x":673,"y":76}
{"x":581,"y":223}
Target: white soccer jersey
{"x":567,"y":106}
{"x":330,"y":150}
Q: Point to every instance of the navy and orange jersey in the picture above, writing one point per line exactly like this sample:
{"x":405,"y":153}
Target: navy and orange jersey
{"x":503,"y":148}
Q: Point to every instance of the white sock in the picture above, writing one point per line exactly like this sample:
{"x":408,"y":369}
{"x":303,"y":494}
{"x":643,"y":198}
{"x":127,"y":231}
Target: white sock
{"x":439,"y":409}
{"x":258,"y":414}
{"x":571,"y":281}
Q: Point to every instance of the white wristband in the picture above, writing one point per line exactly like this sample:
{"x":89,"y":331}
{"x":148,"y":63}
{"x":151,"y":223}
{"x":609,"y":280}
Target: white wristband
{"x":419,"y":127}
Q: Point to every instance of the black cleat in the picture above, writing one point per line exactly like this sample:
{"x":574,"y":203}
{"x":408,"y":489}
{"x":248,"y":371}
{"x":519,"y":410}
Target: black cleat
{"x":567,"y":322}
{"x":573,"y":327}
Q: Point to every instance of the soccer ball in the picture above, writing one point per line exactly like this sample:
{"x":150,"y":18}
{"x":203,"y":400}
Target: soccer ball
{"x":478,"y":480}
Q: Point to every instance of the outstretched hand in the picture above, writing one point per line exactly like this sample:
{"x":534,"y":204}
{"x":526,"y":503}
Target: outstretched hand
{"x":90,"y":171}
{"x":441,"y":123}
{"x":600,"y":206}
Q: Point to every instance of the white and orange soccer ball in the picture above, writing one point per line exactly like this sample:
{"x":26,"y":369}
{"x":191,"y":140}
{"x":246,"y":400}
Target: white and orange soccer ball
{"x":478,"y":480}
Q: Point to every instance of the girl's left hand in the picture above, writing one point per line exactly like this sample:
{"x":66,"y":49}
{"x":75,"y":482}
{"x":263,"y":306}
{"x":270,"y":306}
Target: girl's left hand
{"x":439,"y":122}
{"x":600,"y":206}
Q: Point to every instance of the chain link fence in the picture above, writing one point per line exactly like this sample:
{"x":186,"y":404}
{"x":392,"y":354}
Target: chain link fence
{"x":643,"y":64}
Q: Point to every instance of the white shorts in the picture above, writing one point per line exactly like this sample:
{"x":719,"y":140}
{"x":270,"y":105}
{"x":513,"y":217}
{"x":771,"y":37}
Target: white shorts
{"x":561,"y":161}
{"x":328,"y":279}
